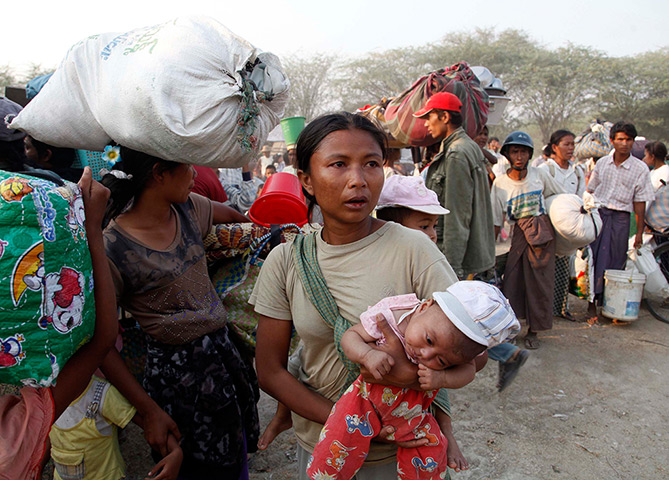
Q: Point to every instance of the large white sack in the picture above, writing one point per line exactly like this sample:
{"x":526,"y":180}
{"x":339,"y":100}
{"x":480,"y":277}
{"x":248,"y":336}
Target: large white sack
{"x":575,"y":227}
{"x":172,"y":90}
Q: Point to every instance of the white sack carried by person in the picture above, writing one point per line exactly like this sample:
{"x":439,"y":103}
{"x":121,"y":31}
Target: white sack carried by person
{"x":576,"y":223}
{"x":188,"y":90}
{"x":645,"y":262}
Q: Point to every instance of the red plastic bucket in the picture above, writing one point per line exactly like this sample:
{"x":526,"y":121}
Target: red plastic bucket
{"x":281,"y":201}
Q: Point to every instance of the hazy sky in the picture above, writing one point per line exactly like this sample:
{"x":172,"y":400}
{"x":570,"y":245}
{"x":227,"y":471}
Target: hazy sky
{"x":349,"y":27}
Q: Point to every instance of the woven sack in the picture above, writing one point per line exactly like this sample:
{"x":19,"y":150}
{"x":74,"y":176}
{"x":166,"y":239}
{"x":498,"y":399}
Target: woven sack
{"x":458,"y":80}
{"x":235,"y":280}
{"x":47,"y":309}
{"x":594,"y":142}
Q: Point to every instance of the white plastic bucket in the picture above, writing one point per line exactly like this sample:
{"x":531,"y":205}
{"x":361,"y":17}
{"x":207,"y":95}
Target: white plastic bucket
{"x":622,"y":294}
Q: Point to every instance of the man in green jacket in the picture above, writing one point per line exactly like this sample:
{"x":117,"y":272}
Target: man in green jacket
{"x":458,"y":175}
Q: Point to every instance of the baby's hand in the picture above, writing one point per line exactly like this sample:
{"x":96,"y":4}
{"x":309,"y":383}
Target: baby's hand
{"x":432,"y":379}
{"x":378,"y":363}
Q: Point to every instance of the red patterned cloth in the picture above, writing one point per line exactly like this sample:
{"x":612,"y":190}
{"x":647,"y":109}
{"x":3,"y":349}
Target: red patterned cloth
{"x":357,"y":418}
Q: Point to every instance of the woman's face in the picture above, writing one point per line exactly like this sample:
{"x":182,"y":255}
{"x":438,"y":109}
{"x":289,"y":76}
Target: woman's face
{"x":179,"y":182}
{"x":564,"y":150}
{"x":345,"y":176}
{"x":649,"y":159}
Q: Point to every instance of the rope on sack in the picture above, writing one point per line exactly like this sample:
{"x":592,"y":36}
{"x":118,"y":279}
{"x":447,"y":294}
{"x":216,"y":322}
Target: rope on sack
{"x":249,"y":110}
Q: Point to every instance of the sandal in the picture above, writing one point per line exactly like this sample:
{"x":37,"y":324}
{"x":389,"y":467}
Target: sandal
{"x":532,"y":341}
{"x":568,"y":316}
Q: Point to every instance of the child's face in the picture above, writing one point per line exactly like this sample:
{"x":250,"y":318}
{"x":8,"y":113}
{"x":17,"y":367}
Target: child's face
{"x":431,"y":338}
{"x":422,"y":221}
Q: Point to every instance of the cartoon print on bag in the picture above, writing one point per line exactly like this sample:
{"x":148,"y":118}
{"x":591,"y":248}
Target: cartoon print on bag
{"x":14,"y":189}
{"x":64,"y":305}
{"x":28,"y":272}
{"x":75,"y":217}
{"x":46,"y":214}
{"x":3,"y":244}
{"x":11,"y":352}
{"x":45,"y":382}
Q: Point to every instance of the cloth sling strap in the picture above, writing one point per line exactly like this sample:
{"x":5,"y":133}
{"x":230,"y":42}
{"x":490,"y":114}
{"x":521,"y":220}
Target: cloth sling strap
{"x":304,"y":251}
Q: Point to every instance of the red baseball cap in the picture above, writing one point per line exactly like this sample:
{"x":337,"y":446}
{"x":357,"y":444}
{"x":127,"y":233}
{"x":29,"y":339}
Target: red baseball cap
{"x":440,"y":101}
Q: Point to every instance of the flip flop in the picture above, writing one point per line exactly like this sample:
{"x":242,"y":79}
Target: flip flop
{"x":568,"y":316}
{"x":508,"y":370}
{"x":532,"y":342}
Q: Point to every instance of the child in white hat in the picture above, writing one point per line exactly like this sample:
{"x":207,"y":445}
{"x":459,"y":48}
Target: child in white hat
{"x":442,"y":335}
{"x":407,"y":201}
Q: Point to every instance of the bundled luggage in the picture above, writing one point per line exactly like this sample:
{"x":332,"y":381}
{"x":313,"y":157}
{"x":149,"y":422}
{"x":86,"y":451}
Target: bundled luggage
{"x":396,"y":115}
{"x":188,"y":90}
{"x":594,"y":142}
{"x":46,"y":291}
{"x":575,"y":226}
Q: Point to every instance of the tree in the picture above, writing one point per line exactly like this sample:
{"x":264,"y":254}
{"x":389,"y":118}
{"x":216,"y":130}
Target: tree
{"x":35,"y":70}
{"x":7,"y":77}
{"x":637,"y":90}
{"x":310,"y":85}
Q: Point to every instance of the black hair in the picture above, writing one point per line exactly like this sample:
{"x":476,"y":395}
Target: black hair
{"x":123,"y":190}
{"x":556,"y":137}
{"x":455,"y":118}
{"x":657,"y":149}
{"x":61,"y":157}
{"x":12,"y":156}
{"x":394,"y":214}
{"x":272,"y":166}
{"x":315,"y":132}
{"x":493,"y":139}
{"x":624,"y":127}
{"x":547,"y":151}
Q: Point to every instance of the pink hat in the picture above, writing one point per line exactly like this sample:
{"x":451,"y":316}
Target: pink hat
{"x":409,"y":192}
{"x":440,"y":101}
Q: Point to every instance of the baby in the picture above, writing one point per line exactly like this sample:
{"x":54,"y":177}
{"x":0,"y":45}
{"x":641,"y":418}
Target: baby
{"x":443,"y":335}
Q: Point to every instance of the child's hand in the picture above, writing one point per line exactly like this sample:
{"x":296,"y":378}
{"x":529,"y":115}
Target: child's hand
{"x":95,"y":197}
{"x":378,"y":363}
{"x":168,"y":467}
{"x":431,"y":379}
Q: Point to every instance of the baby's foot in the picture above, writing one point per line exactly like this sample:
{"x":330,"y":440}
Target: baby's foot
{"x":456,"y":460}
{"x":279,"y":423}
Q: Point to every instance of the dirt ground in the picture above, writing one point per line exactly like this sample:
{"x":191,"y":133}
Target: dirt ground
{"x":591,"y":403}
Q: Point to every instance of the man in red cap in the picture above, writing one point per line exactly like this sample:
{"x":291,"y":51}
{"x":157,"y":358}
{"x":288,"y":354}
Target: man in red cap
{"x":458,"y":175}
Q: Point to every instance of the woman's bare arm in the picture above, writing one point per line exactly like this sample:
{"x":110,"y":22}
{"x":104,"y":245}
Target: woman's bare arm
{"x":273,"y":342}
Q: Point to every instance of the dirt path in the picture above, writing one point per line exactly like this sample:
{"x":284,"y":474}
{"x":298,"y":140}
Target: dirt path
{"x":590,"y":403}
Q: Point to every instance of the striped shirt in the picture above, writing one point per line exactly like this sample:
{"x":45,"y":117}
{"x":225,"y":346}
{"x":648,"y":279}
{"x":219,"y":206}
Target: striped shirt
{"x":618,"y":187}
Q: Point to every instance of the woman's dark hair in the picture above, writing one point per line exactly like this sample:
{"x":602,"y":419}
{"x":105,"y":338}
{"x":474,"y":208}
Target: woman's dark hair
{"x":315,"y":132}
{"x":60,"y":157}
{"x":12,"y":156}
{"x":557,"y":136}
{"x":547,"y":151}
{"x":624,"y":127}
{"x":393,"y":214}
{"x":657,"y":149}
{"x":123,"y":190}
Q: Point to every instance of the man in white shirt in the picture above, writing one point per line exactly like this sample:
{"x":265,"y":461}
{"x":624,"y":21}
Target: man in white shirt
{"x":622,"y":184}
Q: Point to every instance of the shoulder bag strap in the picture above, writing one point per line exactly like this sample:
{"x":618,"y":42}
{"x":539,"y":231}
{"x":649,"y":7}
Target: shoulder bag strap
{"x":306,"y":262}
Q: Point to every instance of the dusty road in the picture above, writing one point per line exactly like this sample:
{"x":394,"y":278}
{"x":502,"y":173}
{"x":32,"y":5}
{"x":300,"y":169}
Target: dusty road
{"x":591,"y":403}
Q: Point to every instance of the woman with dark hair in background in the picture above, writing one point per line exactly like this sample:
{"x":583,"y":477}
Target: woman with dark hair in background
{"x":655,"y":157}
{"x":571,"y":177}
{"x":194,"y":372}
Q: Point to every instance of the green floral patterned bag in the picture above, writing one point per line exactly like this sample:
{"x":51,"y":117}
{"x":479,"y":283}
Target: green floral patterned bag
{"x":47,"y":309}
